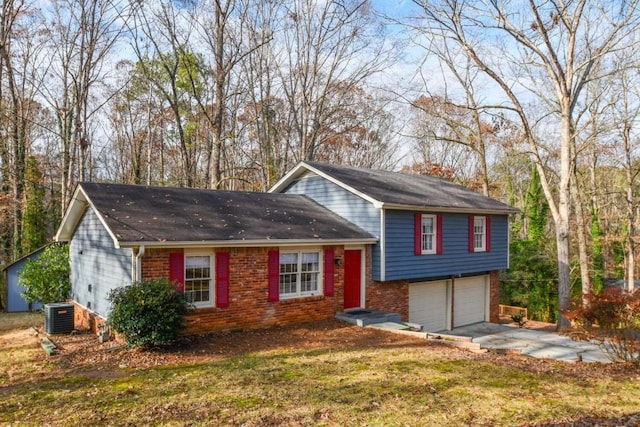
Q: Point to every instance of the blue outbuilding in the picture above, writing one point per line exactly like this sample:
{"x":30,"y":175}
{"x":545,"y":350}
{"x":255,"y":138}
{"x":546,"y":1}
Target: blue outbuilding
{"x":14,"y":300}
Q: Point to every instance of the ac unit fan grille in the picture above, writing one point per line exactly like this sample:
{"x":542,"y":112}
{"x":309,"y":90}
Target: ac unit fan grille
{"x":58,"y":318}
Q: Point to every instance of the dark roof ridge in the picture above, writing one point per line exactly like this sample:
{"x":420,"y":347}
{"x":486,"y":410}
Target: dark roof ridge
{"x":410,"y":191}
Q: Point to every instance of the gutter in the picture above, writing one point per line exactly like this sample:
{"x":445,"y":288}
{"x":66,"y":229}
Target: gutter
{"x":478,"y":211}
{"x":245,"y":243}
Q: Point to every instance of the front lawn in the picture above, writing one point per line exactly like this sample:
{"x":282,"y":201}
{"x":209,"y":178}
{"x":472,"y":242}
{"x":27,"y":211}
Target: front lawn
{"x":322,"y":374}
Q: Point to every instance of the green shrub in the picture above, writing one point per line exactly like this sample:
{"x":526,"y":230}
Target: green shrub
{"x":46,"y":278}
{"x":611,"y":318}
{"x":148,"y":313}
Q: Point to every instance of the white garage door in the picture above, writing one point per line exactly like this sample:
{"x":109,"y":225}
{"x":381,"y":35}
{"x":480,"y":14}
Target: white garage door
{"x":428,"y":305}
{"x":469,"y":300}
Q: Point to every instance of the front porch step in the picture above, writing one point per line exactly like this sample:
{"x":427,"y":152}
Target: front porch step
{"x":367,"y":317}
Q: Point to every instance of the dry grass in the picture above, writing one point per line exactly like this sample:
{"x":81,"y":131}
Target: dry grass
{"x":12,"y":321}
{"x":403,"y":385}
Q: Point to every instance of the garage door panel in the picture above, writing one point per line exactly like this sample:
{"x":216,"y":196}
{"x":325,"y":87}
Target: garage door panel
{"x":428,"y":305}
{"x":469,"y":300}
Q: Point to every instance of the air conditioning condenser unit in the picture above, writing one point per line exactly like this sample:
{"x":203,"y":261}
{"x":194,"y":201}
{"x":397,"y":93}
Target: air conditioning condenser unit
{"x":58,"y":318}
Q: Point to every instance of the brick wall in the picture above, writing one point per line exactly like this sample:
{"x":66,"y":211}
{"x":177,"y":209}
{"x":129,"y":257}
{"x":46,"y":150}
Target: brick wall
{"x":389,"y":296}
{"x":494,"y":297}
{"x":155,"y":263}
{"x":248,"y":290}
{"x":86,"y":320}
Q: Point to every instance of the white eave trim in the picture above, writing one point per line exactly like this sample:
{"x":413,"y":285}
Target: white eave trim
{"x":437,"y":209}
{"x":296,"y":173}
{"x":250,"y":243}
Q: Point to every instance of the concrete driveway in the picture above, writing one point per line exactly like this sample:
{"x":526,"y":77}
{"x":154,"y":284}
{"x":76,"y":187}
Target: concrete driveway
{"x":541,"y":344}
{"x":544,"y":345}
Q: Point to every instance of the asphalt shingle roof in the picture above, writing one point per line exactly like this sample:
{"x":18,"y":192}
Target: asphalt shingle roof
{"x":411,"y":190}
{"x":166,"y":214}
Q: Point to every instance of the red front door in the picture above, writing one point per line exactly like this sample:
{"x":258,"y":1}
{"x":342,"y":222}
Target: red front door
{"x":352,"y":278}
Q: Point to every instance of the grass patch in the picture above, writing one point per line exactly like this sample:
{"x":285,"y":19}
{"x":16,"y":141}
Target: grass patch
{"x":325,"y":386}
{"x":13,"y":321}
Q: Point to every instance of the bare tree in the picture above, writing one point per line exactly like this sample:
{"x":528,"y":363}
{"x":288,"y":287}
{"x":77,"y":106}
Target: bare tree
{"x":561,"y":45}
{"x":462,"y":115}
{"x":221,"y":26}
{"x":360,"y":131}
{"x":81,"y":35}
{"x":264,"y":121}
{"x":455,"y":137}
{"x":167,"y":60}
{"x":324,"y":43}
{"x":625,"y":117}
{"x":19,"y":48}
{"x":136,"y":120}
{"x":307,"y":62}
{"x":13,"y":145}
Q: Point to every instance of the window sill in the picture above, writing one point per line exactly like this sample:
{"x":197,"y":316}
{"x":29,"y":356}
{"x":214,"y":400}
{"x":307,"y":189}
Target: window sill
{"x":203,"y":305}
{"x":301,"y":298}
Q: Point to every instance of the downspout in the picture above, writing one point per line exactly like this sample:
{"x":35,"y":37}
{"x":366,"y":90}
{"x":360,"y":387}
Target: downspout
{"x":383,"y":243}
{"x":136,"y":271}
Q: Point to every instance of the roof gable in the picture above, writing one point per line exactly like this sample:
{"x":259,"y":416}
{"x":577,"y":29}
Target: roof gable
{"x":165,"y":215}
{"x":399,"y":190}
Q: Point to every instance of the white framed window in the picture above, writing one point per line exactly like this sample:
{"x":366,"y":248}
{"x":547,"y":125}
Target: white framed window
{"x":198,"y":279}
{"x":479,"y":234}
{"x":300,"y":273}
{"x":428,"y":234}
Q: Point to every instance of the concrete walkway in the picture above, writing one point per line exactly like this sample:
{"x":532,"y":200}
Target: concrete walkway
{"x":540,"y":344}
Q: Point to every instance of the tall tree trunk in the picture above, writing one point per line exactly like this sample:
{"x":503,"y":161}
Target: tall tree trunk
{"x":630,"y":246}
{"x":16,"y":129}
{"x":562,"y":216}
{"x":581,"y":233}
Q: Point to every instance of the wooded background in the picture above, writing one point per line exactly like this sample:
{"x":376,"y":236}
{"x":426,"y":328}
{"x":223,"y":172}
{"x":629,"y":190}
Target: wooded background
{"x":535,"y":104}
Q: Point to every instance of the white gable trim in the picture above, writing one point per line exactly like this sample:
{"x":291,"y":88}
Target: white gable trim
{"x":299,"y":170}
{"x":77,"y":207}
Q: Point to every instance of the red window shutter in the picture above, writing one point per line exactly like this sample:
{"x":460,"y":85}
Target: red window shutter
{"x":417,"y":234}
{"x":471,"y":234}
{"x":328,"y":271}
{"x":439,"y":234}
{"x":176,"y":270}
{"x":274,"y":276}
{"x":487,"y":233}
{"x":222,"y":279}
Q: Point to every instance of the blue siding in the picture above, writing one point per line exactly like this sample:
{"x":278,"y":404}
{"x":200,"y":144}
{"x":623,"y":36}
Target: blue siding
{"x":15,"y":301}
{"x":402,"y":263}
{"x":344,"y":203}
{"x":97,"y":266}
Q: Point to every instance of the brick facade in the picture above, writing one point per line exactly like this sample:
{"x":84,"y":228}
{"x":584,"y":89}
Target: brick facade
{"x":389,"y":296}
{"x":494,"y":297}
{"x":87,"y":320}
{"x":248,"y":290}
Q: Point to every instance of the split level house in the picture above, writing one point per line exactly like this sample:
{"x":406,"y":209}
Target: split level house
{"x":325,"y":239}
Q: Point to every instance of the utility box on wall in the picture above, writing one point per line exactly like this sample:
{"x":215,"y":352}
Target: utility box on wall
{"x":58,"y":318}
